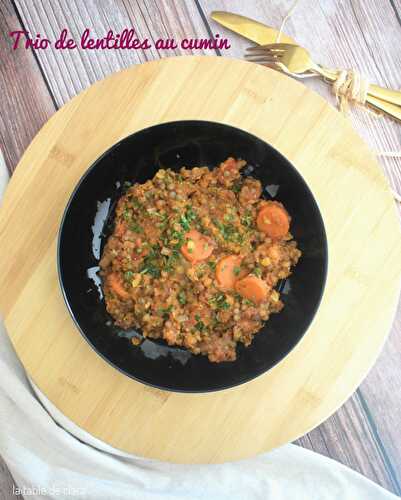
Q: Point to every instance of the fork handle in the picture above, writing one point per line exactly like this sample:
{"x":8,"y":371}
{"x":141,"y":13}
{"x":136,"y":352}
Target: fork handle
{"x":386,"y":107}
{"x":388,"y":95}
{"x":377,"y":103}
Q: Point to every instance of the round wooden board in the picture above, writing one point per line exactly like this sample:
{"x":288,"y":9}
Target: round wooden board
{"x":347,"y":333}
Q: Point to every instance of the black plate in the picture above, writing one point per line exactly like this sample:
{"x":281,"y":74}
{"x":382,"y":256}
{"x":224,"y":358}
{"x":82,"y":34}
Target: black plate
{"x":87,"y":221}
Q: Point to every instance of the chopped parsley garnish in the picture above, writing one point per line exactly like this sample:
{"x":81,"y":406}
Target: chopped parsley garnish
{"x":135,"y":227}
{"x":191,"y":215}
{"x":212,"y":265}
{"x":165,"y":310}
{"x":237,"y":187}
{"x":229,"y":232}
{"x":127,"y":184}
{"x":182,"y":298}
{"x":248,"y":302}
{"x":257,"y":272}
{"x":128,"y":275}
{"x":152,"y":270}
{"x":184,"y":223}
{"x":237,"y":270}
{"x":163,"y":217}
{"x":150,"y":263}
{"x":171,"y":260}
{"x":178,"y":238}
{"x":247,"y":219}
{"x":229,"y":217}
{"x":136,"y":203}
{"x":219,"y":300}
{"x":127,"y":214}
{"x":200,"y":325}
{"x":187,"y":218}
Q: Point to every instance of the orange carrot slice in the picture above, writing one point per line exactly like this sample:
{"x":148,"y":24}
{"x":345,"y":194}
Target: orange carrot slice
{"x":227,"y":271}
{"x":273,"y":220}
{"x":252,"y":288}
{"x":197,"y":246}
{"x":117,"y":286}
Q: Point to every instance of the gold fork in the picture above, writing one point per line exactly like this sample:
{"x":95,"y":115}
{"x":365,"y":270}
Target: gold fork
{"x":297,"y":60}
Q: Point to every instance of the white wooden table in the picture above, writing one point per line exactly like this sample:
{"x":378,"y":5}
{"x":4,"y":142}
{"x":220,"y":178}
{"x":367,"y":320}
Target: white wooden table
{"x":363,"y":34}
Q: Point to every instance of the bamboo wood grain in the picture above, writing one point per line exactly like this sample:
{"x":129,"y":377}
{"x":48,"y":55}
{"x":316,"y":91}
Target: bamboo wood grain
{"x":317,"y":376}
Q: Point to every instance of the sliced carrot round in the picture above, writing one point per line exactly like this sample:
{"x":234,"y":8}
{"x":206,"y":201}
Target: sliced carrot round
{"x":273,"y":220}
{"x":227,"y":271}
{"x":197,"y":246}
{"x":116,"y":285}
{"x":252,"y":288}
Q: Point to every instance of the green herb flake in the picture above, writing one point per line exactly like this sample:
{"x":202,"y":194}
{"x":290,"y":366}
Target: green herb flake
{"x":128,"y":275}
{"x":236,"y":187}
{"x":127,"y":214}
{"x":136,"y":203}
{"x":151,"y":263}
{"x":200,"y":325}
{"x":184,"y":223}
{"x":191,"y":214}
{"x":163,"y":217}
{"x":172,"y":260}
{"x":229,"y":232}
{"x":186,"y":219}
{"x":229,"y":217}
{"x":165,"y":310}
{"x":247,"y":219}
{"x":179,"y":239}
{"x":257,"y":272}
{"x":237,"y":270}
{"x":219,"y":301}
{"x":135,"y":227}
{"x":248,"y":302}
{"x":212,"y":265}
{"x":182,"y":298}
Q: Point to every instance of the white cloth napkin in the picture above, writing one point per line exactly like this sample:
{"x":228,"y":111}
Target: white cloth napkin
{"x":50,"y":457}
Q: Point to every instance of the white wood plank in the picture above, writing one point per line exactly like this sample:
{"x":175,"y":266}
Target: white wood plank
{"x":365,"y":35}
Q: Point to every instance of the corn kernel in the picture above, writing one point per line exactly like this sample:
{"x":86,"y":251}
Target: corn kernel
{"x":265,"y":262}
{"x":136,"y":281}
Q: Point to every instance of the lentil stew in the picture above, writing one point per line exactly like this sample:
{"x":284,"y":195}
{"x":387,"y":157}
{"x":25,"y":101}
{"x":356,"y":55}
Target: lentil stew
{"x":195,"y":257}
